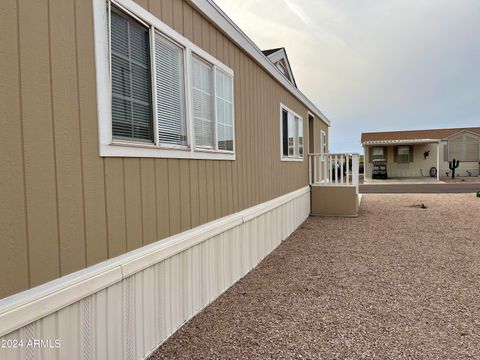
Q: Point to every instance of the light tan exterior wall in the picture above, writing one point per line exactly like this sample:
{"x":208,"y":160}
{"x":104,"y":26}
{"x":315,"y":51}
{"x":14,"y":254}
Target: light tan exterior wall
{"x":411,"y":169}
{"x":65,"y":208}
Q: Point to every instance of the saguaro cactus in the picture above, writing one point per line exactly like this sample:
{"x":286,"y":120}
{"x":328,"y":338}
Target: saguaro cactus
{"x":452,"y":165}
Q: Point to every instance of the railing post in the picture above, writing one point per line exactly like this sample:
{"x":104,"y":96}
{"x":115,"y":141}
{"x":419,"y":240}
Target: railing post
{"x":355,"y":170}
{"x":347,"y":160}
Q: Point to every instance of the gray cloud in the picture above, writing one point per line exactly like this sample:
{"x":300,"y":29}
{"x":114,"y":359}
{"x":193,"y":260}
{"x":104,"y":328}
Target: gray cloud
{"x":375,"y":65}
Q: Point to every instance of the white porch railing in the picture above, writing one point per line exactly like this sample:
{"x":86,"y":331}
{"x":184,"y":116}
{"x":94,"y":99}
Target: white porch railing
{"x":334,"y":169}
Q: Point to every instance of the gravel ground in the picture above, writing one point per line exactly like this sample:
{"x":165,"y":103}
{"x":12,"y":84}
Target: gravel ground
{"x":399,"y":281}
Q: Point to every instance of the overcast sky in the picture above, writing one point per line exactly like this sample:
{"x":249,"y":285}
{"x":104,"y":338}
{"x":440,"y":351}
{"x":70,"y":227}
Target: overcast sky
{"x":375,"y":65}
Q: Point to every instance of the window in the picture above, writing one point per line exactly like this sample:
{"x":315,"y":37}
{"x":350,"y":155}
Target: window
{"x":403,"y":155}
{"x":170,"y":91}
{"x":224,"y":105}
{"x":203,"y":103}
{"x":131,"y":95}
{"x":291,"y":135}
{"x":159,"y":95}
{"x":378,"y":153}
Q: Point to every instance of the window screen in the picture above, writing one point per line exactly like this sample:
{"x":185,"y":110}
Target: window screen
{"x":131,"y":88}
{"x":292,"y":130}
{"x":224,"y":107}
{"x":172,"y":127}
{"x":203,"y":103}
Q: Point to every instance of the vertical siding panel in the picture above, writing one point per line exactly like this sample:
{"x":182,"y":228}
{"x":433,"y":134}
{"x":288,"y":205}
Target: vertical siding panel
{"x":163,"y":201}
{"x":115,"y":322}
{"x":185,"y":204}
{"x":93,"y":166}
{"x":167,"y":12}
{"x":208,"y":37}
{"x":218,"y":191}
{"x":13,"y":232}
{"x":178,"y":16}
{"x":133,"y":203}
{"x":174,"y":195}
{"x":203,"y":198}
{"x":100,"y":325}
{"x":155,"y":7}
{"x":187,"y":21}
{"x":234,"y":165}
{"x":40,"y":174}
{"x":245,"y":138}
{"x":142,"y":3}
{"x":194,"y":192}
{"x":149,"y":205}
{"x":115,"y":199}
{"x":211,"y":214}
{"x":239,"y":134}
{"x":197,"y":28}
{"x":67,"y":136}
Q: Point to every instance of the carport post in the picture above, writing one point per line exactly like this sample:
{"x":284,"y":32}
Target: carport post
{"x":438,"y":160}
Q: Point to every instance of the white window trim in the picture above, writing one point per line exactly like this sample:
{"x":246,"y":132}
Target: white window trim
{"x":125,"y":148}
{"x":290,"y":158}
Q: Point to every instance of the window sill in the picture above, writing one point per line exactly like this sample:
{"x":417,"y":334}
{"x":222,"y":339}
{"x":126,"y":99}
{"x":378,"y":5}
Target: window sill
{"x":288,"y":159}
{"x":119,"y":149}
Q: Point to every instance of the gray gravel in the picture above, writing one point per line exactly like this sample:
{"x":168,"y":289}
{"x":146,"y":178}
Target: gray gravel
{"x":397,"y":282}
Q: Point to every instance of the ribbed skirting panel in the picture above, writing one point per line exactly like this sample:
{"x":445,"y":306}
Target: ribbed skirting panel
{"x":132,"y":317}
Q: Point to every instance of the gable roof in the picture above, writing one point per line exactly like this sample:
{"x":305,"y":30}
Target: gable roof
{"x":431,"y":134}
{"x":279,"y":55}
{"x":211,"y":10}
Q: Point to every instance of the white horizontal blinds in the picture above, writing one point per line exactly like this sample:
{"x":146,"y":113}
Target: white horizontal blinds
{"x":300,"y":137}
{"x":131,"y":85}
{"x":224,"y":106}
{"x":203,"y":106}
{"x":169,"y":76}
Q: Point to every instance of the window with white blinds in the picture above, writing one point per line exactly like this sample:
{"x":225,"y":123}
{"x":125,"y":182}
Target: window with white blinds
{"x":170,"y":92}
{"x":224,"y":106}
{"x":169,"y":98}
{"x":292,"y":138}
{"x":131,"y":94}
{"x":203,"y":106}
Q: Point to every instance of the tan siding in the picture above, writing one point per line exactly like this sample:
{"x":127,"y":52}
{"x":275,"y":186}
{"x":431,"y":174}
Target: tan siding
{"x":68,"y":158}
{"x":13,"y":232}
{"x":115,"y":199}
{"x":96,"y":243}
{"x":39,"y":147}
{"x":72,"y":208}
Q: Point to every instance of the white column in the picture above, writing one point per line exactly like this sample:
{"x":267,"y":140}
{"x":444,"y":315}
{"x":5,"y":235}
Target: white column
{"x":438,"y":160}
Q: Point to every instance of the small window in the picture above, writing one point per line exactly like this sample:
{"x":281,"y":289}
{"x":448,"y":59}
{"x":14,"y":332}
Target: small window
{"x":131,"y":89}
{"x":292,"y":135}
{"x":403,"y":155}
{"x":378,"y":153}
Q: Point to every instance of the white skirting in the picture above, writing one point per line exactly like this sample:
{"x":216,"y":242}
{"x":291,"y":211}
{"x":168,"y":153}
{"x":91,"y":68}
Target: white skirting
{"x":124,"y":308}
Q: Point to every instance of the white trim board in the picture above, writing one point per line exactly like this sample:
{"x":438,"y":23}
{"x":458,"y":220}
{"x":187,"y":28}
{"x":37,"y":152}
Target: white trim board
{"x":28,"y":306}
{"x":223,"y":22}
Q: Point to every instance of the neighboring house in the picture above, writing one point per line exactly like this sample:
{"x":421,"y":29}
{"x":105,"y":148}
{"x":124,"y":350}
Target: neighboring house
{"x":151,"y":155}
{"x":414,"y":153}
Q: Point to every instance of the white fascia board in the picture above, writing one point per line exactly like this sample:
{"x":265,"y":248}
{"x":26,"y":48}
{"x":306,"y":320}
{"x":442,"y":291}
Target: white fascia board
{"x":23,"y":308}
{"x":209,"y":9}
